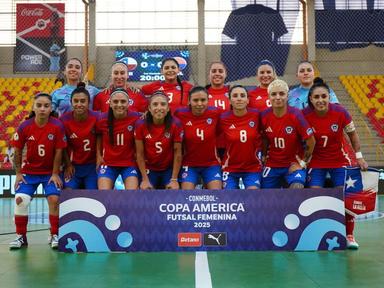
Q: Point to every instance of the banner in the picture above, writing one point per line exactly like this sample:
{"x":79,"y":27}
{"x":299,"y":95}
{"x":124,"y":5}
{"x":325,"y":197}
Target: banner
{"x":39,"y":38}
{"x":145,"y":66}
{"x":202,"y":220}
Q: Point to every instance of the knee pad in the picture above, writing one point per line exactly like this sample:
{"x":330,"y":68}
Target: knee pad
{"x":22,"y":208}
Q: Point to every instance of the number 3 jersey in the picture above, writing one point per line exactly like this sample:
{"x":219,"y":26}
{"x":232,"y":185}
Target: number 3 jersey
{"x":122,"y":152}
{"x":243,"y":141}
{"x":285,"y":135}
{"x":199,"y":137}
{"x":329,"y":150}
{"x":41,"y":144}
{"x":81,"y":136}
{"x":158,"y":143}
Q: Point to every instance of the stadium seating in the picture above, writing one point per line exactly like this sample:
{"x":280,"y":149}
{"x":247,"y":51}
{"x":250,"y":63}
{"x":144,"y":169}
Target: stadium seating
{"x":16,"y":96}
{"x":368,"y":93}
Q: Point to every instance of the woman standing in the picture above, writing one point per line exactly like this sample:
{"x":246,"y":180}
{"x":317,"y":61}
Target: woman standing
{"x":329,"y":122}
{"x":80,"y":156}
{"x":116,"y":144}
{"x":43,"y":137}
{"x":172,"y":86}
{"x":243,"y":142}
{"x":61,"y":98}
{"x":200,"y":154}
{"x":284,"y":128}
{"x":158,"y":140}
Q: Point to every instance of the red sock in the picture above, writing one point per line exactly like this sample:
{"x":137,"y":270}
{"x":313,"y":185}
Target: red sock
{"x":21,"y":223}
{"x":54,"y":221}
{"x":349,"y":224}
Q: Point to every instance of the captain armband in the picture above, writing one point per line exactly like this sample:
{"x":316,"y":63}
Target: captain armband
{"x":350,"y":127}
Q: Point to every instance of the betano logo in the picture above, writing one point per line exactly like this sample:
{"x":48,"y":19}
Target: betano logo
{"x":189,"y":239}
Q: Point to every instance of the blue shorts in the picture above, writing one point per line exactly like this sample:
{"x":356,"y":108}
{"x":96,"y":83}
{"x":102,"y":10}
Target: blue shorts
{"x":317,"y":176}
{"x":113,"y":172}
{"x":33,"y":181}
{"x":274,"y":177}
{"x":85,"y":177}
{"x":231,"y":180}
{"x":159,"y":179}
{"x":191,"y":174}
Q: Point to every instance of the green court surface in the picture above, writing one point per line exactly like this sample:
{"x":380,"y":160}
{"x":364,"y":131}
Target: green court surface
{"x":39,"y":266}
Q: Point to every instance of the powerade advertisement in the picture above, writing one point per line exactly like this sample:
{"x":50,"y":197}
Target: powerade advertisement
{"x":202,"y":220}
{"x":144,"y":66}
{"x":40,"y":37}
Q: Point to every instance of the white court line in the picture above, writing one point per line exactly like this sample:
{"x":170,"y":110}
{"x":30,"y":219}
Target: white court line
{"x":202,"y":274}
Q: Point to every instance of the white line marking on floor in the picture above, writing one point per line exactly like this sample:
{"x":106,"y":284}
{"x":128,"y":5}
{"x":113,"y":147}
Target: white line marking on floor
{"x":202,"y":274}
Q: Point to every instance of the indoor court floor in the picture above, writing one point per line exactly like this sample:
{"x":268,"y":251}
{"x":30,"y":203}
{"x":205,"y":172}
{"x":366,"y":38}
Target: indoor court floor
{"x":39,"y":266}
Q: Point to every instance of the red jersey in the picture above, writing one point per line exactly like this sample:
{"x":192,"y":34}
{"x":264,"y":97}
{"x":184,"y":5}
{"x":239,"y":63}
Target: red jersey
{"x":137,"y":101}
{"x":173,"y":91}
{"x":41,"y":142}
{"x":243,"y":141}
{"x":122,"y":152}
{"x":329,"y":150}
{"x":285,"y":135}
{"x":199,"y":137}
{"x":81,"y":136}
{"x":258,"y":99}
{"x":158,"y":144}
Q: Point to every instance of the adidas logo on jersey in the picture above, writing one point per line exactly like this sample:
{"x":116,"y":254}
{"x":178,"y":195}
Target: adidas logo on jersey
{"x":73,"y":136}
{"x":232,"y":126}
{"x":189,"y":123}
{"x":148,"y":136}
{"x":258,"y":97}
{"x":298,"y":175}
{"x":218,"y":175}
{"x":269,"y":129}
{"x":161,"y":88}
{"x":31,"y":138}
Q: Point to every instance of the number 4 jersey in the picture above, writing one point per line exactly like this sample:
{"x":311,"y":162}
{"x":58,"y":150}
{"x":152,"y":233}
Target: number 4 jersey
{"x":41,"y":143}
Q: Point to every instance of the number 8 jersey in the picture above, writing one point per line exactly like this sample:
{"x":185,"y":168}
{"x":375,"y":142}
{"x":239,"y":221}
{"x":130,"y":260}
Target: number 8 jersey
{"x":41,"y":144}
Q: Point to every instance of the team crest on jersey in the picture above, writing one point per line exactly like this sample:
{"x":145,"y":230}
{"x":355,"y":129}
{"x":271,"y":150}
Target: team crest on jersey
{"x":309,"y":131}
{"x":130,"y":128}
{"x":130,"y":102}
{"x":167,"y":135}
{"x":16,"y":136}
{"x":334,"y":127}
{"x":178,"y":87}
{"x":50,"y":136}
{"x":289,"y":129}
{"x":209,"y":121}
{"x":251,"y":124}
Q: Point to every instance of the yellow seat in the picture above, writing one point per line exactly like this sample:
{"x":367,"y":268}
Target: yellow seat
{"x":11,"y":130}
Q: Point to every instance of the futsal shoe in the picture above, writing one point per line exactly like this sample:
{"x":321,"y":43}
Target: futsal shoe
{"x":351,"y":243}
{"x":19,"y":242}
{"x":54,"y":241}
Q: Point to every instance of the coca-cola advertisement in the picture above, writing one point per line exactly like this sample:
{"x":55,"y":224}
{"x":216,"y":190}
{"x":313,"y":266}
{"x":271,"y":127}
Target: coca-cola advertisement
{"x":39,"y":38}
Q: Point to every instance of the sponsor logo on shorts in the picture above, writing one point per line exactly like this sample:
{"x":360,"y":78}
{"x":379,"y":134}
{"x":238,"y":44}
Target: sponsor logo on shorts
{"x":189,"y":239}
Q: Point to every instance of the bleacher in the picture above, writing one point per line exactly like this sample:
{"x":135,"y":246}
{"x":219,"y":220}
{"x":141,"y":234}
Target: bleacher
{"x":367,"y":91}
{"x":16,"y":96}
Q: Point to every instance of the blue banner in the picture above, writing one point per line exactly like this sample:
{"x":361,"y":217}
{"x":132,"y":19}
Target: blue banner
{"x":145,"y":66}
{"x":202,"y":220}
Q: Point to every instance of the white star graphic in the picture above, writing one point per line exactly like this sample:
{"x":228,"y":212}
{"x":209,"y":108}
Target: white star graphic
{"x":350,"y":183}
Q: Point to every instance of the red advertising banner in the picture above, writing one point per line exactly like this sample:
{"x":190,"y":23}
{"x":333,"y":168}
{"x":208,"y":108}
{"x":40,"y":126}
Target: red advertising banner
{"x":40,"y":37}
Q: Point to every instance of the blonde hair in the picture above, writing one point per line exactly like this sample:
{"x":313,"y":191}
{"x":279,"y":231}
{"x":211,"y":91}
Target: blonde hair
{"x":278,"y":83}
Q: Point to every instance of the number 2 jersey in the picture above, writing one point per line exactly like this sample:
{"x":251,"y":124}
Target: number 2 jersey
{"x":243,"y":141}
{"x":122,"y":152}
{"x":328,"y":129}
{"x":81,"y":136}
{"x":199,"y":137}
{"x":285,"y":135}
{"x":41,"y":144}
{"x":158,"y":143}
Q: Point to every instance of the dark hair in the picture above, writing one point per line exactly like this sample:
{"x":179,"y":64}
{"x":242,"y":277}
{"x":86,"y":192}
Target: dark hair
{"x":168,"y":118}
{"x":111,"y":117}
{"x":81,"y":89}
{"x":317,"y":82}
{"x":266,"y":62}
{"x":237,"y":86}
{"x":38,"y":95}
{"x":60,"y":77}
{"x":178,"y":79}
{"x":304,"y":62}
{"x":210,"y":67}
{"x":197,"y":89}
